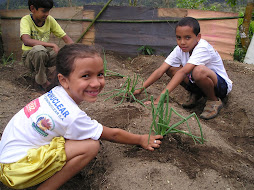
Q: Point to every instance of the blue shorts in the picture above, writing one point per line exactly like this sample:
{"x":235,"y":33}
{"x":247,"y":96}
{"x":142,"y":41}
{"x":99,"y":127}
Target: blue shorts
{"x":220,"y":90}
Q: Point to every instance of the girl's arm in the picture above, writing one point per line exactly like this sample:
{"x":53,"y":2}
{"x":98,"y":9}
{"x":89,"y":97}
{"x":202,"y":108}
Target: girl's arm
{"x":124,"y":137}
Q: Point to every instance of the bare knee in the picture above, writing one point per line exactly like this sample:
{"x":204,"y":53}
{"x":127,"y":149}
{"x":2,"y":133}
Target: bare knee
{"x":39,"y":53}
{"x":199,"y":73}
{"x":87,"y":148}
{"x":172,"y":71}
{"x":94,"y":148}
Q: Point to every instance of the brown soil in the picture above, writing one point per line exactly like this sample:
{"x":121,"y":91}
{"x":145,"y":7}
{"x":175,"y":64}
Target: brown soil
{"x":224,"y":161}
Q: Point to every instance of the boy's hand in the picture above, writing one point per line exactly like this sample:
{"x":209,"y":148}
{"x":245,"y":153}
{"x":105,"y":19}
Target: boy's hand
{"x":149,"y":102}
{"x":153,"y":142}
{"x":56,"y":48}
{"x":138,"y":91}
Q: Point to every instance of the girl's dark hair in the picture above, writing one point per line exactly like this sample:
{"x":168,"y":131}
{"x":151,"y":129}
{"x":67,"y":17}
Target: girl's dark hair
{"x":191,"y":22}
{"x":67,"y":55}
{"x":47,"y":4}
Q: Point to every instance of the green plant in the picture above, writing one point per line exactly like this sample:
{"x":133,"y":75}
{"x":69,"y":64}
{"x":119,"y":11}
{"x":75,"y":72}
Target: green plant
{"x":162,"y":117}
{"x":8,"y":59}
{"x":133,"y":2}
{"x":240,"y":52}
{"x":146,"y":50}
{"x":109,"y":72}
{"x":190,"y":4}
{"x":126,"y":91}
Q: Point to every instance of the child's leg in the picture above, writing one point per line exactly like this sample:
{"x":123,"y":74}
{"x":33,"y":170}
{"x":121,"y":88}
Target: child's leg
{"x":79,"y":154}
{"x":172,"y":71}
{"x":206,"y":80}
{"x":52,"y":55}
{"x":37,"y":59}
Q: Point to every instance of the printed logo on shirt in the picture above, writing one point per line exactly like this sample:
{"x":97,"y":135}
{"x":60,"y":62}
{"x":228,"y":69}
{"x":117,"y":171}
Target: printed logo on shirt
{"x":43,"y":124}
{"x":42,"y":37}
{"x":56,"y":105}
{"x":32,"y":107}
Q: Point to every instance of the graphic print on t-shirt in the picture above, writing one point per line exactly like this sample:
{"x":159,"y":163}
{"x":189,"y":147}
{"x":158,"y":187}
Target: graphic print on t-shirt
{"x":43,"y":124}
{"x":56,"y":105}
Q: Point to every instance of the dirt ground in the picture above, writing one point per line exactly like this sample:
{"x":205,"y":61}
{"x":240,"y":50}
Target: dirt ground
{"x":225,"y":161}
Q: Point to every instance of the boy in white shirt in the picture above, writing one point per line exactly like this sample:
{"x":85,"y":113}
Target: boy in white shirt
{"x":196,"y":64}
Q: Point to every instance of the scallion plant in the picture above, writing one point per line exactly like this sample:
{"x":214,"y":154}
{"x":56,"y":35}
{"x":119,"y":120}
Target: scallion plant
{"x":126,"y":91}
{"x":162,"y":117}
{"x":109,"y":72}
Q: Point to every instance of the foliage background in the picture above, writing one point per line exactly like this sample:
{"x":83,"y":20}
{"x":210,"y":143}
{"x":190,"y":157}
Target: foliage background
{"x":218,"y":5}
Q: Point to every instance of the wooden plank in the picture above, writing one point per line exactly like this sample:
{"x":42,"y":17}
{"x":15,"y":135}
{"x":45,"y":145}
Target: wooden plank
{"x":219,"y":33}
{"x":11,"y":27}
{"x":90,"y":35}
{"x":174,"y":12}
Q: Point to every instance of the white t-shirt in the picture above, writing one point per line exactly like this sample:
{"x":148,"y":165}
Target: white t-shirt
{"x":51,"y":115}
{"x":203,"y":54}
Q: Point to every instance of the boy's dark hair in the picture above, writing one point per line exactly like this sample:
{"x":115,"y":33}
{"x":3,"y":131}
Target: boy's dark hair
{"x":191,"y":22}
{"x":47,"y":4}
{"x":67,"y":55}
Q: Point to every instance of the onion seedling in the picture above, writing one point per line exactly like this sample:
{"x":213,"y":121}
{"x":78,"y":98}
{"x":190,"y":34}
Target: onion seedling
{"x":126,"y":91}
{"x":162,"y":117}
{"x":106,"y":71}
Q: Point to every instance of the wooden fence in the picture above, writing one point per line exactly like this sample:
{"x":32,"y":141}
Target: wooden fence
{"x":124,"y":29}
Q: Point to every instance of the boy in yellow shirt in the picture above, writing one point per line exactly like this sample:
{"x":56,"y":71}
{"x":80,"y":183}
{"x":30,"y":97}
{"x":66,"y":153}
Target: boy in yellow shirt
{"x":35,"y":30}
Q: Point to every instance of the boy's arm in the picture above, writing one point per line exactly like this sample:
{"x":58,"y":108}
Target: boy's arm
{"x":177,"y":79}
{"x":124,"y":137}
{"x":157,"y":74}
{"x":67,"y":39}
{"x":28,"y":41}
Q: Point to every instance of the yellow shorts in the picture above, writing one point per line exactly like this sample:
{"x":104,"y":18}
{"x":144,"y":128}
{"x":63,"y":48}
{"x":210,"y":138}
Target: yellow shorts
{"x":39,"y":165}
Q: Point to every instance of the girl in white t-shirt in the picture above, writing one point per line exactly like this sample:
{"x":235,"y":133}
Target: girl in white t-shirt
{"x":51,"y":139}
{"x":197,"y":66}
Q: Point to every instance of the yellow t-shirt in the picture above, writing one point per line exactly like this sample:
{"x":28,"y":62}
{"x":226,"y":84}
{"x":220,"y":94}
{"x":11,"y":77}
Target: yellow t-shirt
{"x":27,"y":26}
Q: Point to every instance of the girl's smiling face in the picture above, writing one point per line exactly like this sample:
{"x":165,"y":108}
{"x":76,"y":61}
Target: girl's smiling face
{"x":86,"y":80}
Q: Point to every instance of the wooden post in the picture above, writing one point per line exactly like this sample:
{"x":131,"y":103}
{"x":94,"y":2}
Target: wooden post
{"x":7,"y":5}
{"x":244,"y":28}
{"x":70,"y":4}
{"x":82,"y":35}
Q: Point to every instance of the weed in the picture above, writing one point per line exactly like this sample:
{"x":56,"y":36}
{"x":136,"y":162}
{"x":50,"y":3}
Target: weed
{"x":146,"y":50}
{"x":8,"y":59}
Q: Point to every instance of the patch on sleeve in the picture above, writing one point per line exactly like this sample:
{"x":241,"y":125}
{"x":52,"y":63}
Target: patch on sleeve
{"x":32,"y":107}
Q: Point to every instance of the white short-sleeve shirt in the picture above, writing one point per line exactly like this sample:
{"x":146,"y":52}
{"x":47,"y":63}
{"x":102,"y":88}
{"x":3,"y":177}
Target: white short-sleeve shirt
{"x":51,"y":115}
{"x":202,"y":54}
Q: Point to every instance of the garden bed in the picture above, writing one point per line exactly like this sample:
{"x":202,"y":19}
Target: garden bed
{"x":224,"y":161}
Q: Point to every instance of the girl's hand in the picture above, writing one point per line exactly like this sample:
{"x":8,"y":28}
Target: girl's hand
{"x":154,"y":142}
